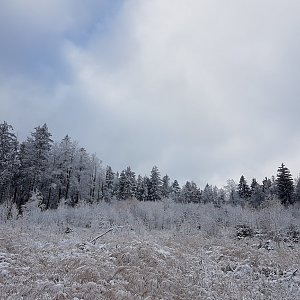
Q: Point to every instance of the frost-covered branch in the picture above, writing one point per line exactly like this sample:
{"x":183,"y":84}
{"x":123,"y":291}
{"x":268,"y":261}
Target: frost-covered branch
{"x":93,"y":241}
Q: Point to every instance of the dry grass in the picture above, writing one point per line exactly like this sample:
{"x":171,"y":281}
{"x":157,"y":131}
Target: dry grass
{"x":37,"y":263}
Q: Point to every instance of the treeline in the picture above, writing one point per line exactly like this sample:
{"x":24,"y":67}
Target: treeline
{"x":65,"y":172}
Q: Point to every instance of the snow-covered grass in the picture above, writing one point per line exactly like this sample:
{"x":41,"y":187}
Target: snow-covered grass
{"x":165,"y":251}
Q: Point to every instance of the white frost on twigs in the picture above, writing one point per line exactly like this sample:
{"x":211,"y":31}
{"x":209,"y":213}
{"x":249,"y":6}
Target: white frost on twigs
{"x":93,"y":241}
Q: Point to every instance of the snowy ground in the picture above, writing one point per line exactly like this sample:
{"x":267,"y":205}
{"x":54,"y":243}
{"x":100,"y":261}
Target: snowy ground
{"x":40,"y":263}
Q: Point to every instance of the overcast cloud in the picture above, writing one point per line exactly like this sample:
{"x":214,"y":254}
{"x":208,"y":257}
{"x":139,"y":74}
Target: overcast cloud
{"x":206,"y":90}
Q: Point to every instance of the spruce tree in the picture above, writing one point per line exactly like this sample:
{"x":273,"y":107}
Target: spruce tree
{"x":34,"y":159}
{"x":8,"y":160}
{"x":285,"y":185}
{"x":175,"y":190}
{"x":127,"y":184}
{"x":122,"y":184}
{"x":269,"y":187}
{"x":297,"y":192}
{"x":253,"y":185}
{"x":155,"y":192}
{"x":257,"y":194}
{"x":108,"y":188}
{"x":190,"y":193}
{"x":221,"y":198}
{"x":147,"y":186}
{"x":139,"y":188}
{"x":166,"y":188}
{"x":143,"y":187}
{"x":208,"y":194}
{"x":243,"y":188}
{"x":266,"y":185}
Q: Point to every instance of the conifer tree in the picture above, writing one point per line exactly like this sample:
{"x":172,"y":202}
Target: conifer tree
{"x":108,"y":189}
{"x":221,"y":198}
{"x":139,"y":188}
{"x":243,"y":188}
{"x":175,"y":190}
{"x":297,"y":192}
{"x":208,"y":194}
{"x":34,"y":159}
{"x":270,"y":187}
{"x":116,"y":184}
{"x":127,"y":184}
{"x":122,"y":184}
{"x":190,"y":193}
{"x":285,"y":185}
{"x":253,"y":185}
{"x":257,"y":194}
{"x":166,"y":188}
{"x":8,"y":160}
{"x":155,"y":192}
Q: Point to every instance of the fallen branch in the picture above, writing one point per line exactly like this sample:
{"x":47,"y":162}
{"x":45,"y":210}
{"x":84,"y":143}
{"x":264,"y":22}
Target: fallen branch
{"x":93,"y":241}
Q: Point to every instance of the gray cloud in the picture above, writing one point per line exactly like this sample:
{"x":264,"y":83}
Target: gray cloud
{"x":205,"y":90}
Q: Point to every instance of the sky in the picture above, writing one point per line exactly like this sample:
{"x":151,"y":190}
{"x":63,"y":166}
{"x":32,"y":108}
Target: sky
{"x":206,"y":90}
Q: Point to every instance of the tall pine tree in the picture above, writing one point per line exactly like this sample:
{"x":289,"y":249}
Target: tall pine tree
{"x":285,"y":185}
{"x":34,"y":159}
{"x":175,"y":190}
{"x":127,"y":184}
{"x":8,"y":160}
{"x":166,"y":188}
{"x":108,"y":188}
{"x":155,"y":190}
{"x":243,"y":188}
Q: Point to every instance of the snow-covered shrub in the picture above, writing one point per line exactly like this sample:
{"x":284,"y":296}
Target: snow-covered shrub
{"x":205,"y":219}
{"x":34,"y":204}
{"x":8,"y":211}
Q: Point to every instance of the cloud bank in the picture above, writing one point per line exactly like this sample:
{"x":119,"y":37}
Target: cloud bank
{"x":205,"y":90}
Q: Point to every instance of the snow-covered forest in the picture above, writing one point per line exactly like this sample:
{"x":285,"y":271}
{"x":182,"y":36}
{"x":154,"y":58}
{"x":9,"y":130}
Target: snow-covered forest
{"x":72,"y":228}
{"x":63,"y":172}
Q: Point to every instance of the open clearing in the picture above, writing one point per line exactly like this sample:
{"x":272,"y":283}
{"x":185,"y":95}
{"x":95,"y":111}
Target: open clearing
{"x":39,"y":263}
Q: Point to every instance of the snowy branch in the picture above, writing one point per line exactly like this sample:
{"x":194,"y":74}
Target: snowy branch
{"x":93,"y":241}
